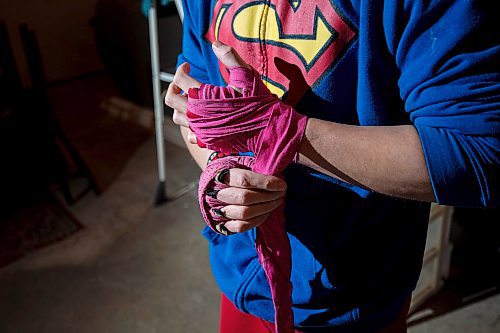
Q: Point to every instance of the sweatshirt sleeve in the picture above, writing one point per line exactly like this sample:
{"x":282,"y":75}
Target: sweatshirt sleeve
{"x":191,"y":42}
{"x":448,"y":57}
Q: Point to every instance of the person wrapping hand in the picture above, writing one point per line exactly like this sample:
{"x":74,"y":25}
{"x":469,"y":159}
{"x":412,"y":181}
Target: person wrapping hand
{"x":393,"y":124}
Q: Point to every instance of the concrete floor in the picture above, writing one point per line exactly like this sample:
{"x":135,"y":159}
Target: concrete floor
{"x":480,"y":317}
{"x":135,"y":268}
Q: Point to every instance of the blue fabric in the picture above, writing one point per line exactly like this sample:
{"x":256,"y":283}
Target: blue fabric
{"x":357,"y":254}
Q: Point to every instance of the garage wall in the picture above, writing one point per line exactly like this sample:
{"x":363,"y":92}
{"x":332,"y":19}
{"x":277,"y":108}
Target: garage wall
{"x":64,"y":34}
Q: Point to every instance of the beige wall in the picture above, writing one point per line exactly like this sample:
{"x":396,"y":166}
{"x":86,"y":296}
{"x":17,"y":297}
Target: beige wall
{"x":64,"y":34}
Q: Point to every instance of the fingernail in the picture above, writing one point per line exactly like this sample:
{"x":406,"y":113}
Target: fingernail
{"x":218,"y":212}
{"x":219,"y":177}
{"x":217,"y":44}
{"x":213,"y":193}
{"x":221,"y":228}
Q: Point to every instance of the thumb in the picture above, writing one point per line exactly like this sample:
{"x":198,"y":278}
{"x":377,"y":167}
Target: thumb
{"x":227,"y":55}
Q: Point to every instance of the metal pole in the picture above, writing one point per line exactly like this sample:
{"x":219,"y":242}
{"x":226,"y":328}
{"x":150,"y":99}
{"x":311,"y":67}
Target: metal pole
{"x":180,"y":10}
{"x":158,"y":106}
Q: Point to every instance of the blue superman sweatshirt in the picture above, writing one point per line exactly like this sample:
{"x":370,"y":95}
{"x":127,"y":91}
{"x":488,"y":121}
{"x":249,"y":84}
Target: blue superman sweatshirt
{"x":434,"y":64}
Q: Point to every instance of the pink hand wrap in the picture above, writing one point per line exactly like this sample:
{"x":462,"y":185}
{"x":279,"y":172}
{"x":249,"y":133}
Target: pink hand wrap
{"x":257,"y":121}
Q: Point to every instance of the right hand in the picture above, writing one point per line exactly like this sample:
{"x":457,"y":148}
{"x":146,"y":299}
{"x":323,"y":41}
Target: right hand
{"x":250,"y":198}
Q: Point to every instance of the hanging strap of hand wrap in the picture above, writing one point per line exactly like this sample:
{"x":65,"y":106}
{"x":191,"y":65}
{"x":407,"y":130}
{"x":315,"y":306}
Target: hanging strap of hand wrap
{"x":245,"y":116}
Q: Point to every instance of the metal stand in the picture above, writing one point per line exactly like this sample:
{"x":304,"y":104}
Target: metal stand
{"x":158,"y":76}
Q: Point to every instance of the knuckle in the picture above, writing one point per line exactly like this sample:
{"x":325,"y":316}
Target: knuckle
{"x":176,"y":118}
{"x":241,"y":179}
{"x":179,"y":71}
{"x":177,"y":78}
{"x":244,"y":213}
{"x":244,"y":197}
{"x":239,"y":227}
{"x":238,"y":197}
{"x":169,"y":100}
{"x":245,"y":182}
{"x":267,"y":182}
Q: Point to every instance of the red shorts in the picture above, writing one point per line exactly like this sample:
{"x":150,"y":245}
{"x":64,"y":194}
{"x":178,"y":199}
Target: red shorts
{"x":233,"y":320}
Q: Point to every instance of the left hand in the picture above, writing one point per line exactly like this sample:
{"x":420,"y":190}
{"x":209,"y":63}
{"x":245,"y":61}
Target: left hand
{"x":183,"y":82}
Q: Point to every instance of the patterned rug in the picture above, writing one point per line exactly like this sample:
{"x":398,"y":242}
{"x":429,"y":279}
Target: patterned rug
{"x":33,"y":227}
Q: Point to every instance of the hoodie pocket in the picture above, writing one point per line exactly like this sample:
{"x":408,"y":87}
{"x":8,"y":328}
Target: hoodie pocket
{"x":234,"y":262}
{"x":210,"y":235}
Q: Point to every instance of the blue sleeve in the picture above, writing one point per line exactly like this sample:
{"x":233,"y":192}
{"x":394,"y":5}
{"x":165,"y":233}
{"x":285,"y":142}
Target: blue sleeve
{"x":191,"y":41}
{"x":448,"y":56}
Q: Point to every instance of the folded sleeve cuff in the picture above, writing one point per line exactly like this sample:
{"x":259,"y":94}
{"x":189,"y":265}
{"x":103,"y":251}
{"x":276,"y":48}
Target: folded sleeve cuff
{"x":456,"y":174}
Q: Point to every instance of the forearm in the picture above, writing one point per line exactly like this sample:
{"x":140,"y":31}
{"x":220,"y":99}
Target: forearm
{"x":385,"y":159}
{"x":200,"y":155}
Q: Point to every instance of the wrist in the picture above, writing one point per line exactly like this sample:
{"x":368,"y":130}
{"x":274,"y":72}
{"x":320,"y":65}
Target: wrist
{"x":306,"y":150}
{"x":200,"y":155}
{"x":298,"y":156}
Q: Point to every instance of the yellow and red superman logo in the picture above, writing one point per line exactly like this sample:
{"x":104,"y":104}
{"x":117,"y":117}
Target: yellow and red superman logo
{"x":291,"y":43}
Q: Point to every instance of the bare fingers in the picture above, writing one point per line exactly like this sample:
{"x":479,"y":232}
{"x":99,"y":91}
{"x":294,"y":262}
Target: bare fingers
{"x":236,"y":212}
{"x":239,"y":196}
{"x":248,"y":179}
{"x":242,"y":226}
